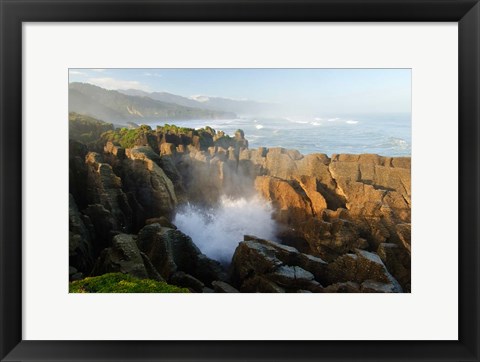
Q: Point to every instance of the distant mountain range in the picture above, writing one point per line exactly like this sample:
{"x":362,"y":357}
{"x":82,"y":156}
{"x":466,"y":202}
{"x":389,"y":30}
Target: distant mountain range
{"x":240,"y":107}
{"x":120,"y":107}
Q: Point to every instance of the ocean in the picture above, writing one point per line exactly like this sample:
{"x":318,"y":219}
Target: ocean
{"x":383,"y":134}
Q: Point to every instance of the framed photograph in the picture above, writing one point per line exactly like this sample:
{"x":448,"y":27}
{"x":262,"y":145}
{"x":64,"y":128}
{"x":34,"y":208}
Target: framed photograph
{"x":239,"y":180}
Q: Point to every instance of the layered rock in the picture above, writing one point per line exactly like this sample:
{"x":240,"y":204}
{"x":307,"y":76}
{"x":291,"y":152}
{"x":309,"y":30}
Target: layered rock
{"x":364,"y":268}
{"x":171,"y":251}
{"x":265,"y":266}
{"x":125,"y":257}
{"x":105,"y":188}
{"x":81,"y":250}
{"x":350,"y":211}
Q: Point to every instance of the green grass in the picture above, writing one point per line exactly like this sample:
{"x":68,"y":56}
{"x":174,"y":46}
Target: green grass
{"x":122,"y":283}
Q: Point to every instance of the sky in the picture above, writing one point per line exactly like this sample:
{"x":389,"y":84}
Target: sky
{"x":335,"y":91}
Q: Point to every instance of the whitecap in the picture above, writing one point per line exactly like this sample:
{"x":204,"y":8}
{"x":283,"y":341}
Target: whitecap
{"x":258,"y":126}
{"x":351,"y":122}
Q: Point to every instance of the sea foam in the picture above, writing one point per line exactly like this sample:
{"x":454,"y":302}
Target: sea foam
{"x":218,"y":231}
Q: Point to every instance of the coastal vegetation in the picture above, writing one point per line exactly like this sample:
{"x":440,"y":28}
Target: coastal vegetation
{"x":122,"y":283}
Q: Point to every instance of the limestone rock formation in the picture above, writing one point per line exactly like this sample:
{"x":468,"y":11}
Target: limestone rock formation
{"x":348,"y":214}
{"x":363,"y":266}
{"x":171,"y":251}
{"x":81,"y":251}
{"x":151,"y":186}
{"x":265,"y":266}
{"x":124,"y":257}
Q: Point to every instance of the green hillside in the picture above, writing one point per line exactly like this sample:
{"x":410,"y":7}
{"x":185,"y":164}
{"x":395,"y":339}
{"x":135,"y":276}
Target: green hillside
{"x":116,"y":107}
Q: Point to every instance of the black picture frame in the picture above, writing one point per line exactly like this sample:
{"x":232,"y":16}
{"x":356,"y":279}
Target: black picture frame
{"x":14,"y":12}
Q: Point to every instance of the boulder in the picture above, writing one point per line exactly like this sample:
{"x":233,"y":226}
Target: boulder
{"x":360,"y":267}
{"x":259,"y":284}
{"x":123,"y":257}
{"x":222,"y":287}
{"x":171,"y":250}
{"x":346,"y":287}
{"x":260,"y":265}
{"x":184,"y":280}
{"x":330,"y":240}
{"x":372,"y":286}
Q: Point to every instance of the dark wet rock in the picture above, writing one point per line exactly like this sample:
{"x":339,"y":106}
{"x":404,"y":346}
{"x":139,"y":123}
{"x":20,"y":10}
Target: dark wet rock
{"x":222,"y":287}
{"x":208,"y":270}
{"x":346,"y":287}
{"x":162,"y":220}
{"x":182,"y":279}
{"x":290,"y":276}
{"x":104,"y":224}
{"x":252,"y":258}
{"x":123,"y":257}
{"x":77,"y":178}
{"x":151,"y":271}
{"x":259,"y":284}
{"x":74,"y":274}
{"x":171,"y":250}
{"x":81,"y":251}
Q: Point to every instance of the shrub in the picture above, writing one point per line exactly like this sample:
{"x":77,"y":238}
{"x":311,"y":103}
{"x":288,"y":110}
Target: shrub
{"x":126,"y":138}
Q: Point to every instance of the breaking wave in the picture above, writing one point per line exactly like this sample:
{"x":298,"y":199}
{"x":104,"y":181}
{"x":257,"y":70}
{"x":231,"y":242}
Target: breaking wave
{"x":218,"y":231}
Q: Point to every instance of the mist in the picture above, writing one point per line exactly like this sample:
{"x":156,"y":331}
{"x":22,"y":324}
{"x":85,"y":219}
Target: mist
{"x":218,"y":231}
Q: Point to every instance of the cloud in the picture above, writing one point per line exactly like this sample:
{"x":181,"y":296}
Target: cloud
{"x":158,"y":75}
{"x":76,"y":72}
{"x":97,"y":70}
{"x":112,"y":83}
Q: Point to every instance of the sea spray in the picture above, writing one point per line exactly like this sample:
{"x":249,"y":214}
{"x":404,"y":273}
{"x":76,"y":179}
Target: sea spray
{"x":218,"y":231}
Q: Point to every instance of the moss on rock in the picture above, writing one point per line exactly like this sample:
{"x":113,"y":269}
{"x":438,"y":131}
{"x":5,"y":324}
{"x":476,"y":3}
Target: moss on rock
{"x":122,"y":283}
